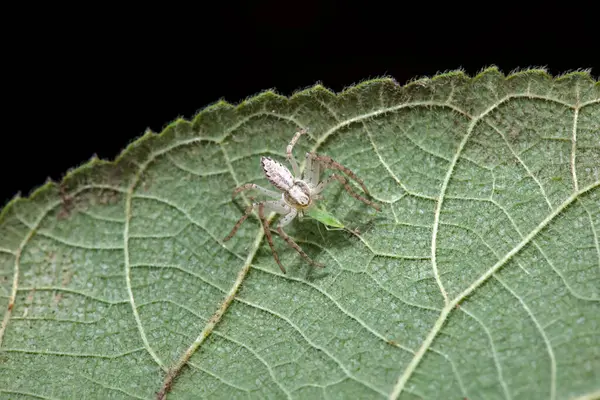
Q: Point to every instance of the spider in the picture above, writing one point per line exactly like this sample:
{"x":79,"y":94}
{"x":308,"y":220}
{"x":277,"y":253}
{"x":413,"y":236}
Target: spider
{"x":297,"y":193}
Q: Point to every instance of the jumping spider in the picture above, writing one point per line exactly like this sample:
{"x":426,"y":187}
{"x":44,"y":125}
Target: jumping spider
{"x":297,"y":193}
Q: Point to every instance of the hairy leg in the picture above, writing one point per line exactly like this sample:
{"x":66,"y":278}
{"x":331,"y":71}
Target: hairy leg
{"x":330,"y":163}
{"x":321,"y":186}
{"x":248,"y":186}
{"x":289,"y":149}
{"x":267,"y":230}
{"x":312,"y":171}
{"x":285,"y":221}
{"x":277,"y":206}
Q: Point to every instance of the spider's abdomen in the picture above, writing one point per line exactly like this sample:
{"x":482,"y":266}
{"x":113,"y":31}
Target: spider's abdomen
{"x":277,"y":174}
{"x":299,"y":195}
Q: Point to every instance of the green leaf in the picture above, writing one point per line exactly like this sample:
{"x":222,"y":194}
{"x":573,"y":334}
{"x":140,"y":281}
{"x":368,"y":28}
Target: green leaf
{"x":479,"y":278}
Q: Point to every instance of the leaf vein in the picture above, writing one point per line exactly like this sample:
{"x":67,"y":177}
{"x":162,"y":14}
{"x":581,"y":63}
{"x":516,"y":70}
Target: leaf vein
{"x":536,"y":180}
{"x":542,"y":333}
{"x":403,"y":378}
{"x":167,"y":301}
{"x":574,"y":143}
{"x":106,"y":386}
{"x":556,"y":270}
{"x":191,"y":171}
{"x":79,"y":355}
{"x":217,"y":377}
{"x":182,"y":269}
{"x":67,"y":242}
{"x":72,"y":291}
{"x":259,"y":358}
{"x":371,"y":277}
{"x":7,"y":251}
{"x":596,"y":240}
{"x":339,"y":306}
{"x":216,"y":318}
{"x":454,"y":370}
{"x":126,"y":262}
{"x":494,"y":352}
{"x":389,"y":170}
{"x":15,"y":283}
{"x":102,"y":218}
{"x":311,"y":343}
{"x":30,"y":394}
{"x":189,"y":218}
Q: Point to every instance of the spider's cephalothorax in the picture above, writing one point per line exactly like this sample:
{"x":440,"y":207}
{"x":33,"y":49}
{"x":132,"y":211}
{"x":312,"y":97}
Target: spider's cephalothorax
{"x":297,"y":193}
{"x":298,"y":196}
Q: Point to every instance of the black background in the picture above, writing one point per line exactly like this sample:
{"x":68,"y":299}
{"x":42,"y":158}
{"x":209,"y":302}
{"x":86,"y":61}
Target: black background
{"x":85,"y":81}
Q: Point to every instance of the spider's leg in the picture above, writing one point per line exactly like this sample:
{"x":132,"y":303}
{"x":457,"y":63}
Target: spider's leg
{"x":286,"y":220}
{"x":321,"y":186}
{"x":269,"y":205}
{"x":265,"y":224}
{"x":312,"y":171}
{"x":330,"y":163}
{"x":240,"y":222}
{"x":289,"y":148}
{"x":248,"y":186}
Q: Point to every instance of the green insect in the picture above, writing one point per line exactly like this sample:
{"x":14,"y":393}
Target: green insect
{"x":324,"y":217}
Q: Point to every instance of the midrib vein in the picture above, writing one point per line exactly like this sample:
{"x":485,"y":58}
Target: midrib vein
{"x":174,"y":371}
{"x":213,"y":321}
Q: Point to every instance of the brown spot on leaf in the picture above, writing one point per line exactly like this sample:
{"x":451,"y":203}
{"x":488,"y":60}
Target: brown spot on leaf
{"x":108,"y":197}
{"x":67,"y":272}
{"x":513,"y":134}
{"x":67,"y":203}
{"x":29,"y":299}
{"x":147,"y":182}
{"x":57,"y":298}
